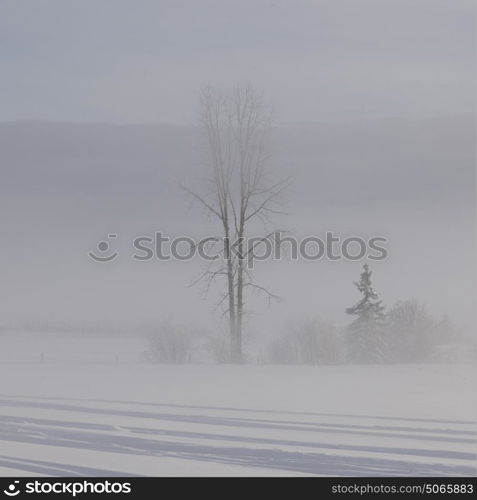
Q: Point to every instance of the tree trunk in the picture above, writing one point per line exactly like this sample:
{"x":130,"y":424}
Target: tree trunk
{"x":240,"y":286}
{"x":231,"y":297}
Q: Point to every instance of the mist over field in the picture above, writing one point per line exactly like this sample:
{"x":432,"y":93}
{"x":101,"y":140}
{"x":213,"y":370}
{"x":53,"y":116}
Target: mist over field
{"x":67,"y":186}
{"x":124,"y":120}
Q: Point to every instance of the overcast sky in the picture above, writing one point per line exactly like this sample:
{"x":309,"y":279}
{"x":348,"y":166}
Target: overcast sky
{"x":144,"y":60}
{"x":397,"y":77}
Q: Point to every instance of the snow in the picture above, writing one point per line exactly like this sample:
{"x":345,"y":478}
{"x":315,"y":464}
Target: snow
{"x":223,"y":420}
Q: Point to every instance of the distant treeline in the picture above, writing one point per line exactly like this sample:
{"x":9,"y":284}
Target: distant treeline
{"x":65,"y":327}
{"x":409,"y":334}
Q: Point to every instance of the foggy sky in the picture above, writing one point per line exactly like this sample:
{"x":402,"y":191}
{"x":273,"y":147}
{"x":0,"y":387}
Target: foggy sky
{"x":65,"y":186}
{"x":144,"y":60}
{"x":374,"y":101}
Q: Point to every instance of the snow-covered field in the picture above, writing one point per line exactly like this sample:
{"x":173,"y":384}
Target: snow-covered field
{"x":137,"y":419}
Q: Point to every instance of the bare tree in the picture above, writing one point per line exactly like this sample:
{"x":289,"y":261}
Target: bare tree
{"x":313,"y":342}
{"x":412,"y":332}
{"x":236,"y":126}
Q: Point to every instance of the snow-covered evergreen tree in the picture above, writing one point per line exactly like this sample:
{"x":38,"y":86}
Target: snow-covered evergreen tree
{"x":366,"y":342}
